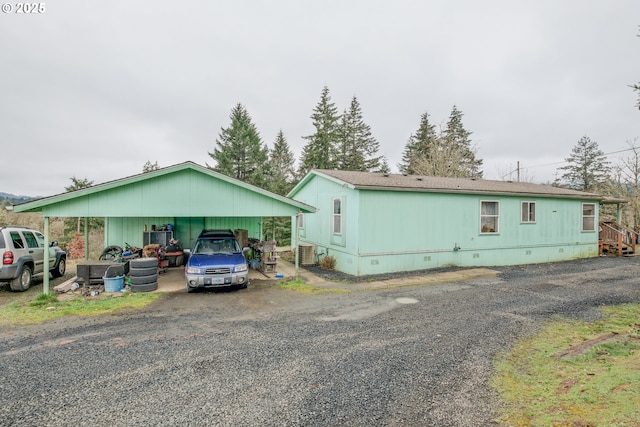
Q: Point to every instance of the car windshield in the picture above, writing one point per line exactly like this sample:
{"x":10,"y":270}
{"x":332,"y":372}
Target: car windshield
{"x":216,"y":246}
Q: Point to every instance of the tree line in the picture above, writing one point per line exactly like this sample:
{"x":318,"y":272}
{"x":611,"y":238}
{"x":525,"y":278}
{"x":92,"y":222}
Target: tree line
{"x":342,"y":141}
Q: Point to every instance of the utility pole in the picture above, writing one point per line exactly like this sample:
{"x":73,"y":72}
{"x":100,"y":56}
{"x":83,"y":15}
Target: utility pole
{"x":518,"y":169}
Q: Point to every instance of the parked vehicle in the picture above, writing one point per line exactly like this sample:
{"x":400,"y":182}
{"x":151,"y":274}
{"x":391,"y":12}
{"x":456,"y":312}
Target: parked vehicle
{"x":216,"y":260}
{"x":22,"y":250}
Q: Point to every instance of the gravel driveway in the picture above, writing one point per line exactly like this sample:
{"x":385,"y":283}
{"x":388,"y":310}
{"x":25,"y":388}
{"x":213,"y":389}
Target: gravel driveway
{"x":407,"y":356}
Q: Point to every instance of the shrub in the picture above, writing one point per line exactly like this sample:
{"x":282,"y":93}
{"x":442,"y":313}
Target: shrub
{"x":328,"y":263}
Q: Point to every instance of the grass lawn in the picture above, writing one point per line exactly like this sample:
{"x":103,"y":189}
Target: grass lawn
{"x":575,"y":373}
{"x":51,"y":306}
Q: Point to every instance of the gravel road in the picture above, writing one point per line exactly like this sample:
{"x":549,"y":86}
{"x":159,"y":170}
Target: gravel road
{"x":407,"y":356}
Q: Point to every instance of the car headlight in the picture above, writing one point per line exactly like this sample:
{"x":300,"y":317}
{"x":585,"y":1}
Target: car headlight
{"x":240,"y":268}
{"x":192,"y":270}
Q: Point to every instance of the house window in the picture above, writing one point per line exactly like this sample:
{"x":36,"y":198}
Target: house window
{"x":489,"y":216}
{"x":528,"y":211}
{"x":588,"y":217}
{"x":300,"y":220}
{"x":337,"y":215}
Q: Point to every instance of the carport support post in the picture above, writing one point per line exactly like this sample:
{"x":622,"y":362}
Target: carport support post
{"x":86,"y":238}
{"x":297,"y":253}
{"x":45,"y":279}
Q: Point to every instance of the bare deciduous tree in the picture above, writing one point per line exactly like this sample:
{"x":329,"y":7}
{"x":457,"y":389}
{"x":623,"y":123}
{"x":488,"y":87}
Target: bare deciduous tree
{"x":625,"y":184}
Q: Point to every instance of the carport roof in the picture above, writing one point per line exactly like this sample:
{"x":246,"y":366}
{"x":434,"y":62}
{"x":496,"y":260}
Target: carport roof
{"x":186,"y":189}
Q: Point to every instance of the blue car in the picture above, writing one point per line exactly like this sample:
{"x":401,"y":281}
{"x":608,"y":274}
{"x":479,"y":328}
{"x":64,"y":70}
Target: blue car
{"x":216,"y":260}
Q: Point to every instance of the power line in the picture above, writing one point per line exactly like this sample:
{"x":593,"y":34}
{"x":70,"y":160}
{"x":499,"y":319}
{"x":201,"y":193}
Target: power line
{"x":564,"y":161}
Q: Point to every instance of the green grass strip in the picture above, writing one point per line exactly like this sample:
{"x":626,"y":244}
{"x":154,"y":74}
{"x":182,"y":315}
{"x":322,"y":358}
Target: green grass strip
{"x":47,"y":307}
{"x":575,"y":373}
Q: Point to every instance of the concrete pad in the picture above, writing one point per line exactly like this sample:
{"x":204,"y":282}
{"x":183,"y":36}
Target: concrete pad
{"x":173,"y":279}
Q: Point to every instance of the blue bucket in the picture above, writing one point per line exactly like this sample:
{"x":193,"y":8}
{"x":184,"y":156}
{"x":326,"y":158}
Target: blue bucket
{"x":113,"y":284}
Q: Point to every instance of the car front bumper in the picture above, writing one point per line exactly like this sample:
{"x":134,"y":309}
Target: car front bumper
{"x":217,"y":280}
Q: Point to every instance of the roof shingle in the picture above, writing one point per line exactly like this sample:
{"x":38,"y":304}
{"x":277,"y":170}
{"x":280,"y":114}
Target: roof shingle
{"x":420,"y":183}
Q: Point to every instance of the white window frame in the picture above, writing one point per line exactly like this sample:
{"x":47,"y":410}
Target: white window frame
{"x":587,"y":217}
{"x":525,"y":212}
{"x":483,"y":225}
{"x":336,"y":218}
{"x":300,"y":220}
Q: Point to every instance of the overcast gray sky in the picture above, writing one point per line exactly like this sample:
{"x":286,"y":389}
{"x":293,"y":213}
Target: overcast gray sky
{"x":94,"y":89}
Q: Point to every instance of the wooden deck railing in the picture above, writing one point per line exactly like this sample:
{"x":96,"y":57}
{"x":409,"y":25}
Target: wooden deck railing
{"x":619,"y":235}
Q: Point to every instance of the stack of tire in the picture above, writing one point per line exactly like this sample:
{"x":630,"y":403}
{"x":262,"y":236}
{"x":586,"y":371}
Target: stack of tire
{"x":143,"y":273}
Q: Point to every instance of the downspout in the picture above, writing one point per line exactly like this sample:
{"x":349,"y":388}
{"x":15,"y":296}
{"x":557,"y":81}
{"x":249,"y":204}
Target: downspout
{"x":47,"y":244}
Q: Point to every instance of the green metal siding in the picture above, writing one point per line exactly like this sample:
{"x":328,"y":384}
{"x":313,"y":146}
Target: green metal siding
{"x":388,"y":231}
{"x":185,"y":193}
{"x":186,"y":230}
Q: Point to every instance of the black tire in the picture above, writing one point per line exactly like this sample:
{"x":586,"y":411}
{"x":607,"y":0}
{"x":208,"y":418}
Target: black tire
{"x":148,"y":287}
{"x":111,"y":253}
{"x":60,"y":269}
{"x":143,"y":263}
{"x":142,"y":271}
{"x":143,"y":280}
{"x":190,"y":289}
{"x":22,"y":282}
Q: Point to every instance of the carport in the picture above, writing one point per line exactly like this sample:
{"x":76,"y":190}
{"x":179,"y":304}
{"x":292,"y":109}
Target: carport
{"x":184,"y":198}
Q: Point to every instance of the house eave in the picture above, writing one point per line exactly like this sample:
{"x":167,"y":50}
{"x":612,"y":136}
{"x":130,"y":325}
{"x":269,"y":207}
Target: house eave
{"x":584,"y":196}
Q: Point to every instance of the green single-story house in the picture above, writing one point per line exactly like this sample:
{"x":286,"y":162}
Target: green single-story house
{"x":374,"y":223}
{"x":186,"y":196}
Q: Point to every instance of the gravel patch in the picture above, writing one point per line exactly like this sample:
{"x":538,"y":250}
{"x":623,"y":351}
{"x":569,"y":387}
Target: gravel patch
{"x":270,"y":357}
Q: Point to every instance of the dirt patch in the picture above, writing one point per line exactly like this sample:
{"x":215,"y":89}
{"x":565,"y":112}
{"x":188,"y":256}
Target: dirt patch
{"x":566,"y":386}
{"x":586,"y":345}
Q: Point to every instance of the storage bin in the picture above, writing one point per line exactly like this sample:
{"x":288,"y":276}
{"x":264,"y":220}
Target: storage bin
{"x":113,"y":284}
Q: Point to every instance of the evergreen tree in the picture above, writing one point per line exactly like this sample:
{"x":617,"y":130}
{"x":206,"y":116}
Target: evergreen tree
{"x":358,"y":149}
{"x":239,"y":152}
{"x":446,"y":153}
{"x":420,"y":147}
{"x":587,"y":166}
{"x":281,"y":181}
{"x":456,"y":140}
{"x":384,"y":166}
{"x":77,"y":224}
{"x":320,"y":152}
{"x":281,"y":165}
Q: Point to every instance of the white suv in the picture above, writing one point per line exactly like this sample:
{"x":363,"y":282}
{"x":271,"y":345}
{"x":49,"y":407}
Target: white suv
{"x":22,"y":251}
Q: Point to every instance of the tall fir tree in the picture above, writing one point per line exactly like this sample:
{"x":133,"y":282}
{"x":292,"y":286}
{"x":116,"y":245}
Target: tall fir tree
{"x":420,"y":145}
{"x":281,"y":166}
{"x":320,"y":152}
{"x":281,"y":181}
{"x":239,"y":150}
{"x":456,"y":139}
{"x":357,"y":148}
{"x":587,"y":167}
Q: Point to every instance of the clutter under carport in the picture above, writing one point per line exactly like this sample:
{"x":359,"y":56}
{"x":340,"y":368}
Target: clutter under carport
{"x":265,"y":257}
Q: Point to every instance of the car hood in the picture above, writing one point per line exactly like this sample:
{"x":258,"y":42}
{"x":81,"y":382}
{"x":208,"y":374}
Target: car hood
{"x":216,"y":260}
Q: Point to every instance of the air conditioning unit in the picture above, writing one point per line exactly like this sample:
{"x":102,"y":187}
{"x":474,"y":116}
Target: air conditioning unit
{"x":306,"y":254}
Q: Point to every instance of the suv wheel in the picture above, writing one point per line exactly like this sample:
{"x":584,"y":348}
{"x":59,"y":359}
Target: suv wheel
{"x":60,"y":269}
{"x":23,"y":281}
